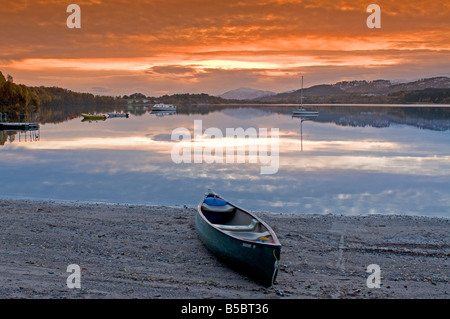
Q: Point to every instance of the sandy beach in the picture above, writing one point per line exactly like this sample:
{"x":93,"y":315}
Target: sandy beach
{"x":147,"y":252}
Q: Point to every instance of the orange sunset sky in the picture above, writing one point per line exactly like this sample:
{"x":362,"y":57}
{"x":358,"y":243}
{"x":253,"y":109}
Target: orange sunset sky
{"x":183,"y":46}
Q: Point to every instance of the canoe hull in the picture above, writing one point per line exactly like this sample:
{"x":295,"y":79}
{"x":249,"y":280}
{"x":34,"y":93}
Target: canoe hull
{"x":258,"y":261}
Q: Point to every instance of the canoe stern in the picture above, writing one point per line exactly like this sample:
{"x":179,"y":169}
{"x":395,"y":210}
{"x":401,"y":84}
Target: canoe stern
{"x":259,"y":261}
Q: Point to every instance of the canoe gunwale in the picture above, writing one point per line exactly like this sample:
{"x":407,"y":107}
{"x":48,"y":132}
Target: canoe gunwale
{"x":275,"y":240}
{"x":258,"y":260}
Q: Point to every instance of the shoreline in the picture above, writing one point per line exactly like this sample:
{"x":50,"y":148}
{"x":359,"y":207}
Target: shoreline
{"x":153,"y":252}
{"x":184,"y":206}
{"x":333,"y":104}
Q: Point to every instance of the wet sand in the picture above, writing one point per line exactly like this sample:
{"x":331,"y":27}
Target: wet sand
{"x":148,"y":252}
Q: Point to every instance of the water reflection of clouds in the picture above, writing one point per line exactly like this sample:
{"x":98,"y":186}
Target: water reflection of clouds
{"x":342,"y":169}
{"x":432,"y":166}
{"x":98,"y":143}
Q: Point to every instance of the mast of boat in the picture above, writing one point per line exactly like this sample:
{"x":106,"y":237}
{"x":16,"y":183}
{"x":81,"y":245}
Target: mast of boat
{"x":301,"y":95}
{"x":301,"y":134}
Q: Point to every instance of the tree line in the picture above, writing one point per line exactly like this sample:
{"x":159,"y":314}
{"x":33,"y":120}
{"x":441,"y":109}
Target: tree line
{"x":56,"y":104}
{"x":16,"y":98}
{"x":53,"y":104}
{"x":426,"y":96}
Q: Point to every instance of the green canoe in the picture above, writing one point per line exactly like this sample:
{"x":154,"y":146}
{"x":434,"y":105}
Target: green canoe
{"x":239,"y":238}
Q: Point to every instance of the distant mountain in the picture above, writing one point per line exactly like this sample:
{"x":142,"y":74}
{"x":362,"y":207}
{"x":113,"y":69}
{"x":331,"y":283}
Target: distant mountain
{"x":442,"y":82}
{"x":245,"y":94}
{"x":374,"y":87}
{"x":384,"y":86}
{"x":377,"y":91}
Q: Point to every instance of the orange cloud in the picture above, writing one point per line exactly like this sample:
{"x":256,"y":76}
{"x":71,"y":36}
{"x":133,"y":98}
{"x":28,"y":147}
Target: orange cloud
{"x":161,"y":40}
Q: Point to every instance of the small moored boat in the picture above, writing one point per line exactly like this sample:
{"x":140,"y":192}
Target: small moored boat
{"x":93,"y":117}
{"x":164,"y":107}
{"x":162,"y":113}
{"x":301,"y":111}
{"x":239,"y":238}
{"x":117,"y":114}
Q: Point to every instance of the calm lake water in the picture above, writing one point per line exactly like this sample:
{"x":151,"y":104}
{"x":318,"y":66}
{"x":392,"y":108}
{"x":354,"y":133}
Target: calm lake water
{"x":348,"y":160}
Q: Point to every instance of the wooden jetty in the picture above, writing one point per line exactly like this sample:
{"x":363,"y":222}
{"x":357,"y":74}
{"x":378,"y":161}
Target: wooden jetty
{"x":19,"y":126}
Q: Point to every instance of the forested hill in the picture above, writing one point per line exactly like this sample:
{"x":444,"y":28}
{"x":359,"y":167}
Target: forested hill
{"x":53,"y":104}
{"x":430,"y":91}
{"x":16,"y":98}
{"x":56,"y":104}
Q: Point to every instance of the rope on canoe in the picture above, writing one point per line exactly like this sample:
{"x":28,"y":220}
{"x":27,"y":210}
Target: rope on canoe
{"x":276,"y":267}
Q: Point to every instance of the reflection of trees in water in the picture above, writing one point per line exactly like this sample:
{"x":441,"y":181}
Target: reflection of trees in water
{"x":61,"y":112}
{"x":32,"y":135}
{"x":5,"y":136}
{"x":433,"y":118}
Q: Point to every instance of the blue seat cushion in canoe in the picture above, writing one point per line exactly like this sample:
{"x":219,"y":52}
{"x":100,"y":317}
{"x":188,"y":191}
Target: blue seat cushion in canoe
{"x":216,"y":210}
{"x":214,"y":201}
